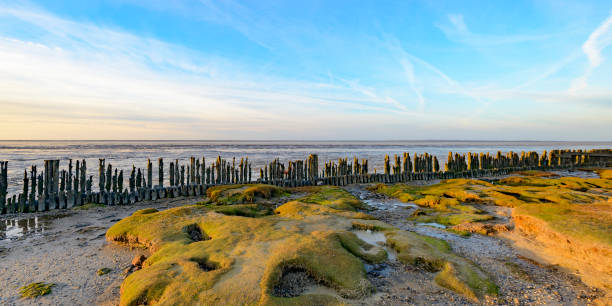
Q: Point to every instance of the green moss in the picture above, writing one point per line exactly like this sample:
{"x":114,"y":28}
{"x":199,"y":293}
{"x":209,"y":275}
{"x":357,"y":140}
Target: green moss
{"x":334,"y":197}
{"x":103,"y":271}
{"x":372,"y":225}
{"x":299,"y":210}
{"x":435,"y":255}
{"x":243,"y":256}
{"x":245,"y":210}
{"x":590,"y":223}
{"x":88,"y":206}
{"x":361,"y":249}
{"x":34,"y":290}
{"x":239,"y":194}
{"x":604,"y":173}
{"x":236,"y":255}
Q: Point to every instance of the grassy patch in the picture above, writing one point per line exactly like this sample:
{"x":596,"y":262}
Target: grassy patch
{"x":34,"y":290}
{"x":243,"y":256}
{"x":604,"y":173}
{"x":586,"y":222}
{"x":435,"y":255}
{"x":208,"y":254}
{"x":334,"y":197}
{"x":535,"y":173}
{"x":88,"y":206}
{"x":240,"y":194}
{"x":103,"y":271}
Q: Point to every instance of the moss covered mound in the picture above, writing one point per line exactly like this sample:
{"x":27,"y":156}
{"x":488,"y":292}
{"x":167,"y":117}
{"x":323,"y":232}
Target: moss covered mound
{"x":435,"y":255}
{"x":604,"y":173}
{"x":244,"y":193}
{"x":454,"y":202}
{"x":304,"y":253}
{"x":591,"y":223}
{"x":332,"y":196}
{"x":240,"y":259}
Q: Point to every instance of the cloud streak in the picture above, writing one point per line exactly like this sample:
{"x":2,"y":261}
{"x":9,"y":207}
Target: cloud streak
{"x":598,"y":40}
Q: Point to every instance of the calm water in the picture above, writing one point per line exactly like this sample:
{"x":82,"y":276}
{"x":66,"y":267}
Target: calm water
{"x":124,"y":154}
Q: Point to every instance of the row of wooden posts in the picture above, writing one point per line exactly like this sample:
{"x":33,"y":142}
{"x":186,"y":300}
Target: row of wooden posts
{"x":57,"y":189}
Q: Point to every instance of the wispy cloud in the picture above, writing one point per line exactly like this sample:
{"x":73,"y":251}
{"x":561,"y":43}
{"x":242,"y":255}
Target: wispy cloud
{"x":456,"y":30}
{"x":592,"y":47}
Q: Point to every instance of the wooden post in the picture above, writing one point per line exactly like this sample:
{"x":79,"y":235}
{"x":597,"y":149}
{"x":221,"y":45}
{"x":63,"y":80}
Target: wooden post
{"x":33,"y":178}
{"x":149,"y":174}
{"x":101,"y":178}
{"x":3,"y":185}
{"x":160,"y":162}
{"x":192,"y":170}
{"x":203,"y":169}
{"x":69,"y":176}
{"x":133,"y":179}
{"x":120,"y":181}
{"x":24,"y":207}
{"x":83,"y":176}
{"x":109,"y":177}
{"x":171,"y":173}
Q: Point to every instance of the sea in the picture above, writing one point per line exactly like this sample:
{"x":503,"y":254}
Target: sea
{"x":22,"y":154}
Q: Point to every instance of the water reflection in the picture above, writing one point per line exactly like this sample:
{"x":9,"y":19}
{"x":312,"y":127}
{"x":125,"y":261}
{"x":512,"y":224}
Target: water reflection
{"x":15,"y":228}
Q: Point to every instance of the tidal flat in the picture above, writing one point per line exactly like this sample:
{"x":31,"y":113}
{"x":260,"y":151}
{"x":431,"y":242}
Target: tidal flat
{"x":525,"y":238}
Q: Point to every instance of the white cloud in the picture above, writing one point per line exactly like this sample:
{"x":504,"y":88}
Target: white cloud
{"x":459,"y":32}
{"x":598,"y":40}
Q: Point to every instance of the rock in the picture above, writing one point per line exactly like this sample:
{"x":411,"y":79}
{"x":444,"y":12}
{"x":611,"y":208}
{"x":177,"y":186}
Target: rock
{"x":138,"y":260}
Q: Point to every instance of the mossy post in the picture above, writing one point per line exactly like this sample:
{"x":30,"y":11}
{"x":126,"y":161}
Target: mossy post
{"x":101,"y":174}
{"x":192,"y":170}
{"x":22,"y":203}
{"x":83,"y":179}
{"x":149,"y":174}
{"x":160,"y":178}
{"x":203,"y":169}
{"x":3,"y":185}
{"x":387,"y":167}
{"x":33,"y":178}
{"x":109,"y":178}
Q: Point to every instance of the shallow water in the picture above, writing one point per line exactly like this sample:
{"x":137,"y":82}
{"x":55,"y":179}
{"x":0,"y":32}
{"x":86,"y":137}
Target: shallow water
{"x":388,"y":204}
{"x":432,"y":224}
{"x":16,"y":228}
{"x":378,"y":239}
{"x":124,"y":154}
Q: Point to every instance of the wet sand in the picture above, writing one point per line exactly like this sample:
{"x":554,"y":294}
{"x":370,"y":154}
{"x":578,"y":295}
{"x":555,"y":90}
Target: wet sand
{"x":67,"y":248}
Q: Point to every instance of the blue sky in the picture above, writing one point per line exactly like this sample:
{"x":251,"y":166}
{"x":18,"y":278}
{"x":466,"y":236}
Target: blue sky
{"x":495,"y":70}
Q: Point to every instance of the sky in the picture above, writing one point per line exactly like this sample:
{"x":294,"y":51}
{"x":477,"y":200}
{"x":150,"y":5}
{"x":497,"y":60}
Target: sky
{"x":306,"y":70}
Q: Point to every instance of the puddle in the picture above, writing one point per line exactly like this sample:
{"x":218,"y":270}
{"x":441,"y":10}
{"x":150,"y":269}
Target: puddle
{"x":14,"y":228}
{"x":386,"y":204}
{"x":576,"y":173}
{"x":378,"y":239}
{"x":433,"y":224}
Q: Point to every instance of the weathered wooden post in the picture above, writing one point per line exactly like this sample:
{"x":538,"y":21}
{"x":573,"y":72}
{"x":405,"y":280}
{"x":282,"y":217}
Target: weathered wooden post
{"x":182,"y":175}
{"x":171,"y":173}
{"x":192,"y":170}
{"x":161,"y":172}
{"x":120,"y":181}
{"x":3,"y":185}
{"x":109,"y":177}
{"x":32,"y":199}
{"x":198,"y":178}
{"x":133,"y":179}
{"x":23,"y":201}
{"x":83,"y":176}
{"x":203,"y":169}
{"x":149,"y":174}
